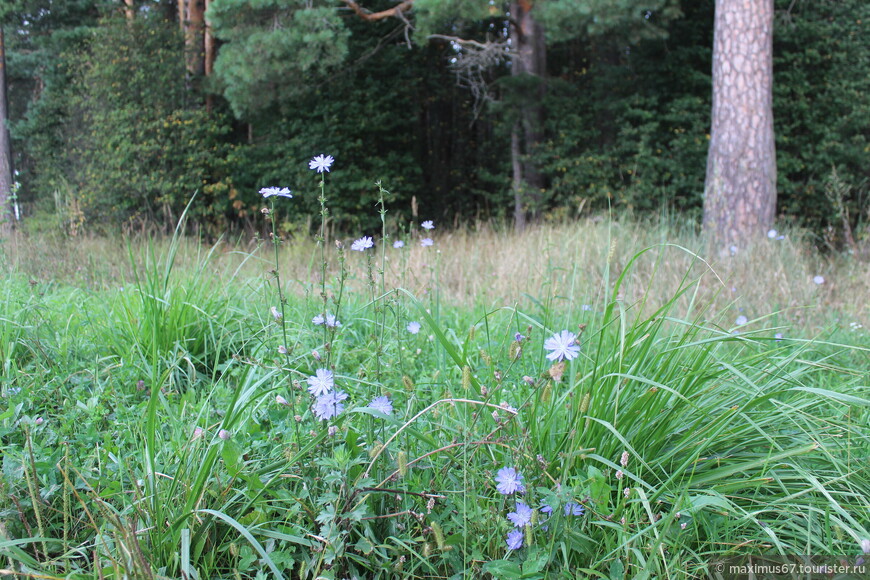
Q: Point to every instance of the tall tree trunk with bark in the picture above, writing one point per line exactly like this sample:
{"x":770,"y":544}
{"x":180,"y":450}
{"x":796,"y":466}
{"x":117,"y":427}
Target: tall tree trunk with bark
{"x":5,"y":148}
{"x":192,"y":16}
{"x":740,"y":186}
{"x":209,"y":54}
{"x":530,"y":58}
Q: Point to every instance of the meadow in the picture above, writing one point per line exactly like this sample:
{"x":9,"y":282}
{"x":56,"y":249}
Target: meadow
{"x":596,"y":398}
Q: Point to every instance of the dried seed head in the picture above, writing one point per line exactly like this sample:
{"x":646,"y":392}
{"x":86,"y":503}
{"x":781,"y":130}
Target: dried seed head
{"x":439,"y":535}
{"x":484,"y":356}
{"x":402,"y":463}
{"x":584,"y":404}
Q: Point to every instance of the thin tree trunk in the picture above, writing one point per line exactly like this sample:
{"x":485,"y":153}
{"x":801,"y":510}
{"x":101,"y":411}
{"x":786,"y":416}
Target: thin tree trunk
{"x":5,"y":148}
{"x":181,"y":14}
{"x":518,"y":185}
{"x":740,"y":186}
{"x":530,"y":59}
{"x":129,"y":10}
{"x":209,"y":56}
{"x":209,"y":46}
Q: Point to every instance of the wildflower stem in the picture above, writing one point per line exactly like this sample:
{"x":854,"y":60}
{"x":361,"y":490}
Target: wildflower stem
{"x":281,"y":302}
{"x":380,"y":314}
{"x":321,"y":241}
{"x":275,"y":242}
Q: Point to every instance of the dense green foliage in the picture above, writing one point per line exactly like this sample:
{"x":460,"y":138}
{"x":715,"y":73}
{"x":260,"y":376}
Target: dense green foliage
{"x":144,"y":144}
{"x":126,"y":140}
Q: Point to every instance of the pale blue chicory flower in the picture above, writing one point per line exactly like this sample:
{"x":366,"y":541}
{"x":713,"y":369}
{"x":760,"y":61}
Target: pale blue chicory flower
{"x":362,"y":244}
{"x":321,"y":163}
{"x":278,"y":191}
{"x":522,"y":516}
{"x":573,"y":509}
{"x":562,"y":346}
{"x":514,"y":540}
{"x":509,"y":481}
{"x":382,"y":404}
{"x":329,"y":405}
{"x":321,"y":383}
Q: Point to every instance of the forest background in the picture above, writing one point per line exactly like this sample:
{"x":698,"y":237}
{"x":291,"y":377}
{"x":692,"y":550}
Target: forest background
{"x":117,"y":116}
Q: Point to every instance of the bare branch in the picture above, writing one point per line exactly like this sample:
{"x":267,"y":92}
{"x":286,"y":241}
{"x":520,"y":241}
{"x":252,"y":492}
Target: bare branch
{"x":398,"y":10}
{"x":473,"y":64}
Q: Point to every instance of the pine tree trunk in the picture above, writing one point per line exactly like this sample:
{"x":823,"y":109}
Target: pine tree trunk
{"x":529,"y":59}
{"x":740,"y":186}
{"x":5,"y":148}
{"x":193,"y":22}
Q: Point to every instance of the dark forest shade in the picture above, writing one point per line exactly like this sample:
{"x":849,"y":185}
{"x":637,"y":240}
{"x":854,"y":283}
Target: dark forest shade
{"x":624,"y":123}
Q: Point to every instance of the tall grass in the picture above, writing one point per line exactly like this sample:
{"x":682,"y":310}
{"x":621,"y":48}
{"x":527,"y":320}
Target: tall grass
{"x":170,"y":437}
{"x":488,"y":265}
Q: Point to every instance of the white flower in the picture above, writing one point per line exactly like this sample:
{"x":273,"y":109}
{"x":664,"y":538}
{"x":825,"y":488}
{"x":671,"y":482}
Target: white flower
{"x":426,"y":242}
{"x":741,"y":320}
{"x":413,"y":327}
{"x":281,"y":400}
{"x":282,"y":349}
{"x":321,"y":163}
{"x":276,"y":314}
{"x":428,"y":225}
{"x":362,"y":244}
{"x":279,"y":191}
{"x":562,"y":346}
{"x":733,"y":249}
{"x":772,"y":234}
{"x":819,"y":280}
{"x":865,"y":546}
{"x":398,"y":244}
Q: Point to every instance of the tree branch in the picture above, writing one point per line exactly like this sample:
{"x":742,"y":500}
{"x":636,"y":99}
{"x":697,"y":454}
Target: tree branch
{"x":398,"y":10}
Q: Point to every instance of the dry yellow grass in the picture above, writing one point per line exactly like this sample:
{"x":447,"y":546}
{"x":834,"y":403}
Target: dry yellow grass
{"x":564,"y":264}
